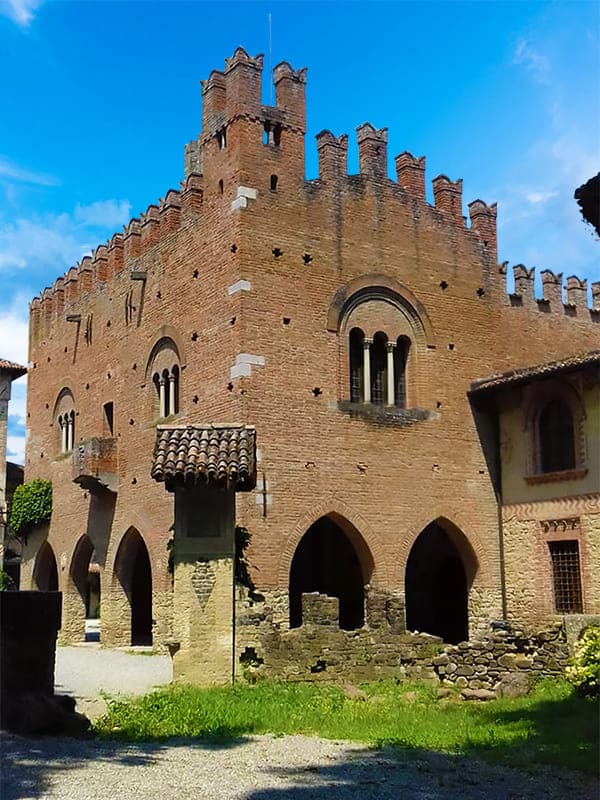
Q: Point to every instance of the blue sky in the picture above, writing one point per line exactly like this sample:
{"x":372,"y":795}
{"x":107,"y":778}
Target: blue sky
{"x":98,"y":98}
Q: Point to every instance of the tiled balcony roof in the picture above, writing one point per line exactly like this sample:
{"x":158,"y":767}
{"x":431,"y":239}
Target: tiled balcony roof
{"x":16,"y":370}
{"x":519,"y":376}
{"x":223,"y":455}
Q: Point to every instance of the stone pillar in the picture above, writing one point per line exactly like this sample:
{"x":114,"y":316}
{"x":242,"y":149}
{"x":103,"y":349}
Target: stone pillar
{"x":70,"y":431}
{"x":203,"y":593}
{"x":64,"y":432}
{"x":163,"y":397}
{"x":172,"y":408}
{"x":367,"y":369}
{"x":4,"y":397}
{"x":390,"y":374}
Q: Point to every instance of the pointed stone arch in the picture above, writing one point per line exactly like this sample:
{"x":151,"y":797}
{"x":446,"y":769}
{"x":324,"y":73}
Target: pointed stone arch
{"x":45,"y":570}
{"x":132,"y":580}
{"x":81,"y":590}
{"x":439,"y":574}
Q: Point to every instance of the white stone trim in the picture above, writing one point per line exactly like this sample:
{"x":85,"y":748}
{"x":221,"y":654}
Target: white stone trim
{"x":239,"y":286}
{"x":243,"y":194}
{"x":243,"y":365}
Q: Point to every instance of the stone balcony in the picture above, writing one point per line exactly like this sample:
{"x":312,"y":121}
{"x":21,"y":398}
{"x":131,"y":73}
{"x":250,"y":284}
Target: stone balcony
{"x":95,"y":465}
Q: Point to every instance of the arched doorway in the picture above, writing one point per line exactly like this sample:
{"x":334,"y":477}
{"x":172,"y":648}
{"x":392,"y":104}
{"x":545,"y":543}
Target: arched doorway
{"x":332,"y":558}
{"x":439,"y":572}
{"x":85,"y":579}
{"x":134,"y":573}
{"x":45,"y":571}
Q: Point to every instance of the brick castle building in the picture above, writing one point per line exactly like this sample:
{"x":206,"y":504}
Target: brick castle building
{"x":346,"y":341}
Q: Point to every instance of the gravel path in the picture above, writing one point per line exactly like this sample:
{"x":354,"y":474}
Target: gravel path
{"x":261,"y":768}
{"x":88,"y":669}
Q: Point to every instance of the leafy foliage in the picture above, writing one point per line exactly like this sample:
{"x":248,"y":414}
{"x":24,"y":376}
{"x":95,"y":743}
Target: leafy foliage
{"x":584,"y":672}
{"x":31,"y":505}
{"x":552,"y":725}
{"x":242,"y":573}
{"x":6,"y":582}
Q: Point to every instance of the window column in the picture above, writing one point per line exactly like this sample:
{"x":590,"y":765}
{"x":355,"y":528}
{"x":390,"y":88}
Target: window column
{"x":172,"y":386}
{"x":390,"y":374}
{"x":70,"y":431}
{"x":64,"y":433}
{"x":367,"y":369}
{"x":162,"y":389}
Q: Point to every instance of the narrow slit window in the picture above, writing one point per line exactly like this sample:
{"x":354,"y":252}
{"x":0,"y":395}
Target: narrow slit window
{"x":109,"y":418}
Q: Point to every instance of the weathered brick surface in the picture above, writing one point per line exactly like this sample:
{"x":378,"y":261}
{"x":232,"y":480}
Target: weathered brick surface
{"x":250,"y":284}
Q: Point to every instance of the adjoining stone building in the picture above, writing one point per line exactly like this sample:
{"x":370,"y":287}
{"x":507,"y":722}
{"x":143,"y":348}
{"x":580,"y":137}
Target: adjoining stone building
{"x":335,"y":327}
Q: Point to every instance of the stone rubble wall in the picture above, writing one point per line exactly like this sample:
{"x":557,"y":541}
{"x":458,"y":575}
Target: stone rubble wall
{"x":320,"y":651}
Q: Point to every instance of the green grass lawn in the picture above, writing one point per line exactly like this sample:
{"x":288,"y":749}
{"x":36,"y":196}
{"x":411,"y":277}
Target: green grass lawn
{"x":552,"y":725}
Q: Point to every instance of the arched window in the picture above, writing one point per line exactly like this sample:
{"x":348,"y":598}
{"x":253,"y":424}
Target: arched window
{"x":65,"y":420}
{"x":556,"y":436}
{"x":357,"y":339}
{"x":164,"y":371}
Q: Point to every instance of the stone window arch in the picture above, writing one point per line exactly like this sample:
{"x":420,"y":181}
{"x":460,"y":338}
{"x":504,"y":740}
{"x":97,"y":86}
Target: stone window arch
{"x":164,"y":370}
{"x":383,"y":339}
{"x":64,"y":417}
{"x":554,"y":425}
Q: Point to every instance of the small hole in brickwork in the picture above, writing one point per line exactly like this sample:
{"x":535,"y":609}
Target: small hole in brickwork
{"x":66,"y":349}
{"x":277,"y":252}
{"x":195,"y":273}
{"x":233,"y":248}
{"x":29,"y":414}
{"x":242,"y":391}
{"x":108,"y":375}
{"x":47,"y":405}
{"x":132,"y":421}
{"x":307,"y":258}
{"x":194,"y":336}
{"x":274,"y":180}
{"x":134,"y":481}
{"x":221,"y":186}
{"x":230,"y":387}
{"x":41,"y":455}
{"x":232,"y":320}
{"x":480,"y":292}
{"x":287,"y":320}
{"x":134,"y":366}
{"x":320,"y":666}
{"x":317,"y":391}
{"x":439,"y":405}
{"x":443,"y":284}
{"x":451,"y":346}
{"x":482,"y":472}
{"x":87,"y":386}
{"x":158,"y":295}
{"x":49,"y":359}
{"x":35,"y":364}
{"x":195,"y":399}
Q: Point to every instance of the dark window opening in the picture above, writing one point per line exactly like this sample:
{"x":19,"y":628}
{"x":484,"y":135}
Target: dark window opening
{"x":566,"y":573}
{"x":379,"y":369}
{"x":221,"y":186}
{"x":401,"y":352}
{"x":556,"y":437}
{"x":325,"y":561}
{"x":222,"y":138}
{"x":272,"y":134}
{"x":357,"y":338}
{"x":109,"y":418}
{"x":274,"y":180}
{"x":436,"y":587}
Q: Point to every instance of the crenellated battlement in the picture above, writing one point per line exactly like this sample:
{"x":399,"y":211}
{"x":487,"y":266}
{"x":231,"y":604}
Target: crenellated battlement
{"x":570,"y":299}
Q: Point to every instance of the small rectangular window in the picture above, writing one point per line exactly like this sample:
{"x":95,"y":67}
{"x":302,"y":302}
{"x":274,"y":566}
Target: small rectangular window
{"x":566,"y":573}
{"x":109,"y":418}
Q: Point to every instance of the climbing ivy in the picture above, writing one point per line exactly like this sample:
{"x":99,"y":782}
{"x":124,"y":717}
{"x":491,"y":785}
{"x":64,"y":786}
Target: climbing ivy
{"x":31,"y":505}
{"x":242,"y":574}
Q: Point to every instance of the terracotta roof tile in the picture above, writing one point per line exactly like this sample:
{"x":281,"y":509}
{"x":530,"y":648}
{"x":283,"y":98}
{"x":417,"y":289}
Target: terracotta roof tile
{"x":219,"y":454}
{"x":519,"y":376}
{"x":16,"y":370}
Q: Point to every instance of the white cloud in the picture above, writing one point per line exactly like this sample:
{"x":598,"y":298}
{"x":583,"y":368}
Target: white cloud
{"x":104,"y":213}
{"x":14,"y":327}
{"x":13,"y":172}
{"x":57,"y":241}
{"x":535,"y":62}
{"x":15,"y":449}
{"x":20,"y":11}
{"x":537,"y":198}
